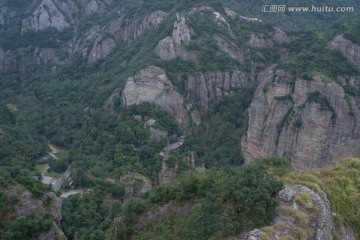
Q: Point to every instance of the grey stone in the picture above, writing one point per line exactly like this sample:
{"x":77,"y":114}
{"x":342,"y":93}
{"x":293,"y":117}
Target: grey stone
{"x":255,"y":235}
{"x":303,"y":131}
{"x":45,"y":16}
{"x":229,"y":48}
{"x":28,"y":204}
{"x":172,"y":47}
{"x":204,"y":88}
{"x":349,"y":50}
{"x":152,"y":85}
{"x":135,"y":184}
{"x":157,"y":134}
{"x":101,"y":49}
{"x":286,"y":194}
{"x":285,"y":225}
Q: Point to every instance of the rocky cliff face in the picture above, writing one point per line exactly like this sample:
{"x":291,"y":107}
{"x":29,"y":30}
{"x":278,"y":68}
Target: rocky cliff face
{"x":349,"y":50}
{"x":61,"y":14}
{"x":134,"y":183}
{"x":3,"y":13}
{"x":29,"y":204}
{"x":311,"y":122}
{"x":173,"y":47}
{"x":97,"y":43}
{"x":138,"y":26}
{"x":230,"y":48}
{"x":297,"y":218}
{"x":277,"y":36}
{"x":204,"y":87}
{"x":101,"y":47}
{"x":152,"y":85}
{"x":45,"y":16}
{"x":29,"y":58}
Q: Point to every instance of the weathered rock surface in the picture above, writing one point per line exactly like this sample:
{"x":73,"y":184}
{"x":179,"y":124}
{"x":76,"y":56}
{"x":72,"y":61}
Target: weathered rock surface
{"x":45,"y":16}
{"x":346,"y":233}
{"x":230,"y":48}
{"x":283,"y":121}
{"x":349,"y":50}
{"x":101,"y":49}
{"x":27,"y":58}
{"x":54,"y":233}
{"x":93,"y":6}
{"x":203,"y":88}
{"x":28,"y":204}
{"x":135,"y":184}
{"x":157,"y":134}
{"x":136,"y":27}
{"x":152,"y":85}
{"x":276,"y":36}
{"x":317,"y":211}
{"x":259,"y":41}
{"x":280,"y":36}
{"x":3,"y":15}
{"x":61,"y":14}
{"x":154,"y":216}
{"x":173,"y":47}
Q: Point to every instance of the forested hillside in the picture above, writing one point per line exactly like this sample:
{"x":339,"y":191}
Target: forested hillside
{"x":111,"y":111}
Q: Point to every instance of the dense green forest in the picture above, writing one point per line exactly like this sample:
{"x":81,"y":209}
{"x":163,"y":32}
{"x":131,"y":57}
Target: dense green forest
{"x":65,"y":106}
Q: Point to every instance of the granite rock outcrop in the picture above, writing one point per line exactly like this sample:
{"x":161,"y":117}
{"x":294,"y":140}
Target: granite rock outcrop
{"x":348,"y":49}
{"x":152,"y":85}
{"x":312,"y":122}
{"x":172,"y":47}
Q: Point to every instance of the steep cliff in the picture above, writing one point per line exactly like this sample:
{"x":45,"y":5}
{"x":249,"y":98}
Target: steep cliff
{"x":152,"y":85}
{"x":30,"y":57}
{"x":25,"y":204}
{"x":121,"y":33}
{"x":173,"y":47}
{"x":204,"y":87}
{"x":54,"y":15}
{"x":45,"y":16}
{"x":312,"y":122}
{"x":350,"y":50}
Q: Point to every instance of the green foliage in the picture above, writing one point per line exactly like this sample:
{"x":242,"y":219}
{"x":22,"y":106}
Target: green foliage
{"x":340,"y":182}
{"x":216,"y":142}
{"x":284,"y":98}
{"x":351,"y":30}
{"x":110,"y":142}
{"x":27,"y":227}
{"x":89,"y":215}
{"x":253,"y":202}
{"x":163,"y":119}
{"x":310,"y":58}
{"x":226,"y":202}
{"x":58,"y":166}
{"x":6,"y":116}
{"x":136,"y":205}
{"x":12,"y":40}
{"x":18,"y":146}
{"x":24,"y":177}
{"x":275,"y":166}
